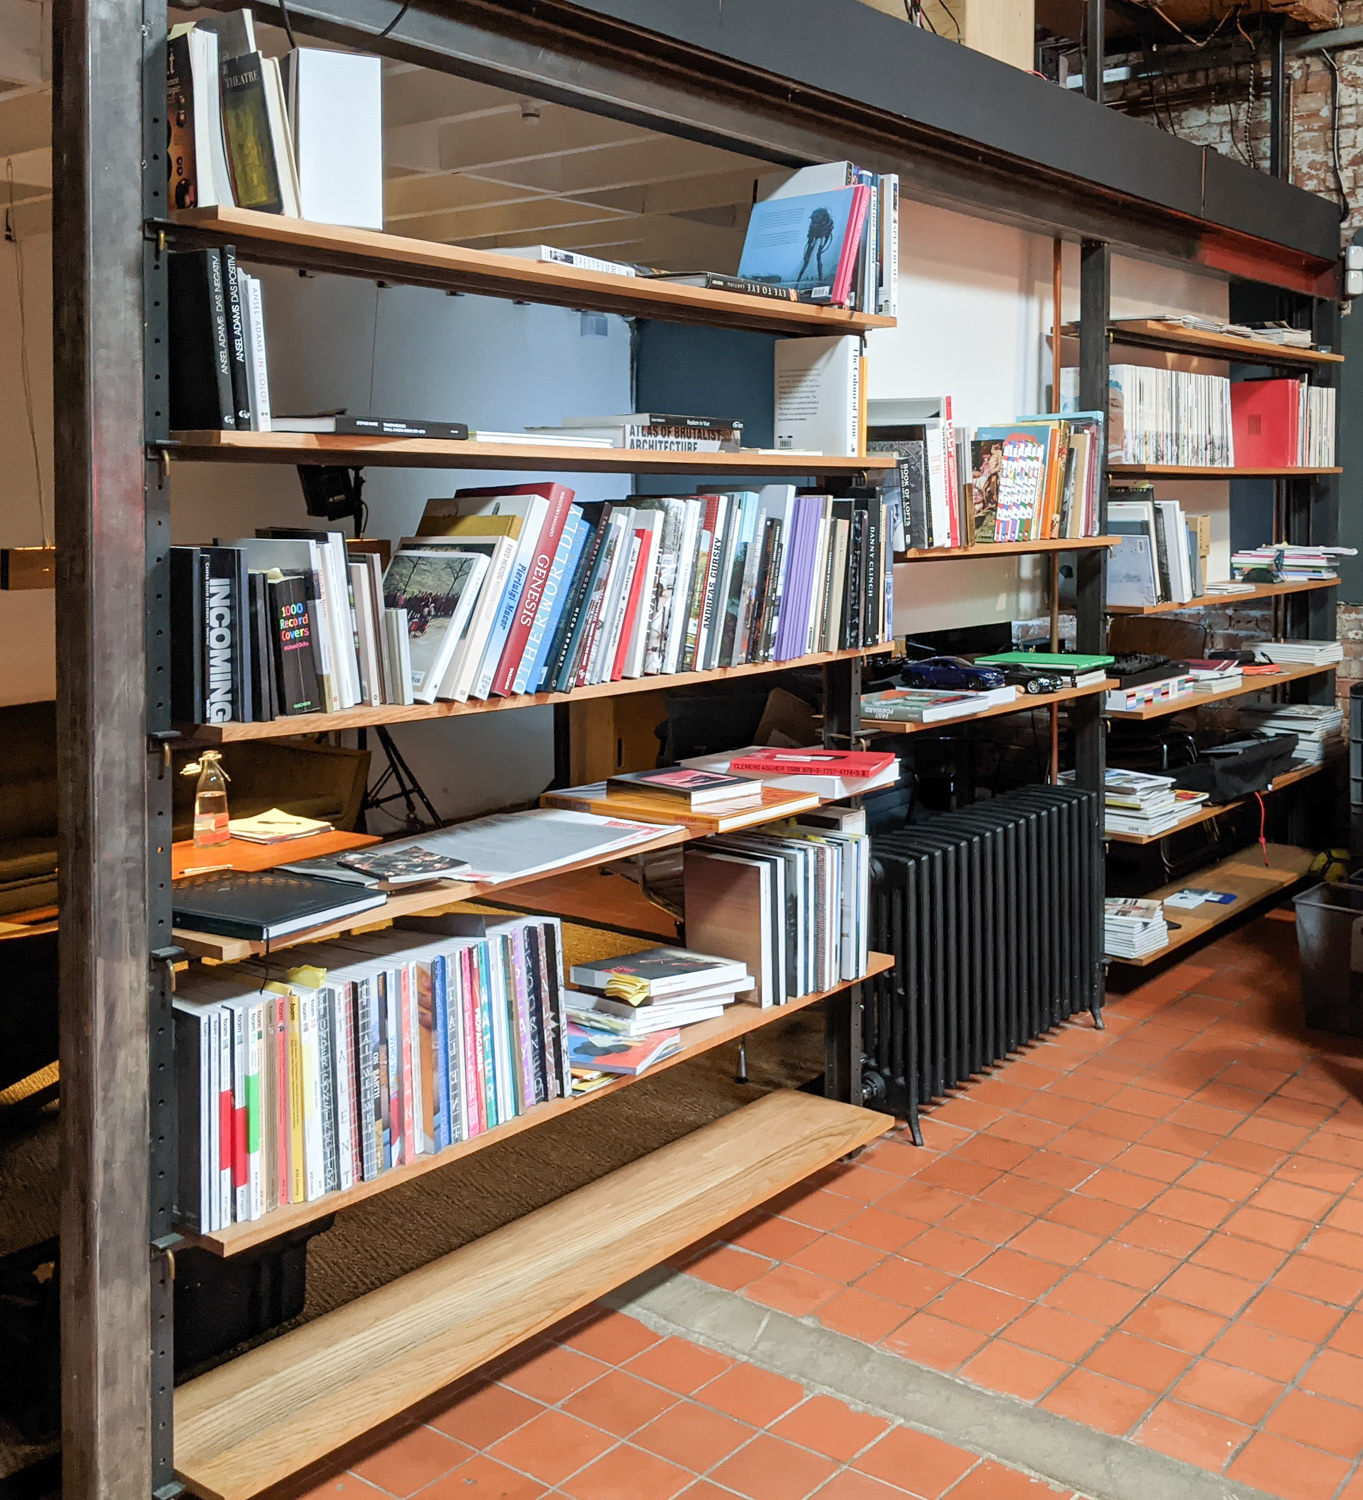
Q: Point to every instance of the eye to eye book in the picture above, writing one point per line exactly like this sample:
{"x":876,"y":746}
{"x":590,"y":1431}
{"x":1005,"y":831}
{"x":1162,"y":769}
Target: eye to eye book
{"x":372,"y":1052}
{"x":688,"y":788}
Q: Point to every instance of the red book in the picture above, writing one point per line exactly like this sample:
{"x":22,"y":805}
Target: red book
{"x":471,"y":1082}
{"x":855,"y":765}
{"x":1264,"y":420}
{"x":560,"y":497}
{"x":636,"y":589}
{"x":851,"y":244}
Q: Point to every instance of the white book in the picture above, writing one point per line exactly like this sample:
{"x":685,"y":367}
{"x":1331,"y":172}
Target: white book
{"x":818,"y":593}
{"x":440,"y":572}
{"x":400,"y":656}
{"x":681,"y":591}
{"x":816,"y":390}
{"x":822,"y":177}
{"x":621,"y":535}
{"x":371,"y":671}
{"x":650,"y":522}
{"x":193,"y":1067}
{"x":889,"y":239}
{"x":335,"y":104}
{"x":705,"y":624}
{"x":570,"y":258}
{"x":343,"y":1055}
{"x":343,"y":618}
{"x":499,"y":553}
{"x":255,"y":1052}
{"x":613,"y":624}
{"x":214,"y":177}
{"x":259,"y":372}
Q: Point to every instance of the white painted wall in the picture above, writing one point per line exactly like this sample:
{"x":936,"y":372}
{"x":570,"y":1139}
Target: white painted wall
{"x":974,"y":311}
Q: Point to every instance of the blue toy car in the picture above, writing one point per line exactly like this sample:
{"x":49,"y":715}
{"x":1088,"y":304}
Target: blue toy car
{"x":952,"y":672}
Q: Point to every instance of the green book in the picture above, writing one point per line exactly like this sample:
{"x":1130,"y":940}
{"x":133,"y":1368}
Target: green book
{"x":1063,"y":661}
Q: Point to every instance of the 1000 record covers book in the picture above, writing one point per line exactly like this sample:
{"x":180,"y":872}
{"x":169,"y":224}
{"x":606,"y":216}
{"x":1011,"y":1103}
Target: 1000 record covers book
{"x":263,"y":905}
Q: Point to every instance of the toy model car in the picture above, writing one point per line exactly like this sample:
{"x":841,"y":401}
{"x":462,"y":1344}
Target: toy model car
{"x":1035,"y":680}
{"x":951,"y":672}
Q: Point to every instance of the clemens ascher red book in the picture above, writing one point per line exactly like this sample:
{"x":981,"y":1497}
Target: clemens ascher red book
{"x":854,"y":765}
{"x":1265,"y":415}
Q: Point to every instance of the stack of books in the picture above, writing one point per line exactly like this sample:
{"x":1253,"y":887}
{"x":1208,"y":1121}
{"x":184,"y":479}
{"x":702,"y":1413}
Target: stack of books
{"x":1035,"y":478}
{"x":1284,"y":423}
{"x":1159,"y":559}
{"x":793,"y":906}
{"x":301,"y":135}
{"x":1299,"y":653}
{"x":1319,"y":727}
{"x":704,"y":801}
{"x":830,"y":774}
{"x":1166,"y":417}
{"x":1133,"y":927}
{"x":1286,"y":563}
{"x":1214,"y":676}
{"x":1141,"y":803}
{"x":656,"y":991}
{"x":652,"y":432}
{"x":931,"y":705}
{"x":372,"y":1052}
{"x":1148,"y":694}
{"x":517,"y":589}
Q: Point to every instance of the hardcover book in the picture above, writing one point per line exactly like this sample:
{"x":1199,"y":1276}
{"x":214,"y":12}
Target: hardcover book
{"x":263,"y":905}
{"x":851,"y":764}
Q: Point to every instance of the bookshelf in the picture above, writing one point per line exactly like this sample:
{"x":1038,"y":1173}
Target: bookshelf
{"x":361,"y":718}
{"x":738,"y":1021}
{"x":1150,"y":333}
{"x":1197,"y":700}
{"x":270,"y":239}
{"x":436,"y":453}
{"x":1194,"y":471}
{"x":1023,"y":702}
{"x":1228,"y":601}
{"x":1008,"y":549}
{"x":1208,"y":813}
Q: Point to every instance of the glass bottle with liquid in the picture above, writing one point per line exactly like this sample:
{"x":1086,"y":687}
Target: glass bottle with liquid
{"x":210,"y":801}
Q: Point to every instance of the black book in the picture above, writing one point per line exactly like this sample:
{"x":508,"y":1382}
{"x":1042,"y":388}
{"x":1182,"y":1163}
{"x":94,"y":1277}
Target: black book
{"x":595,"y":557}
{"x":568,"y":615}
{"x":771,"y":610}
{"x":236,"y":339}
{"x":873,"y":616}
{"x":372,"y":426}
{"x":223,"y":636}
{"x":262,"y":657}
{"x":913,"y":489}
{"x":716,"y":282}
{"x":261,"y":905}
{"x":291,"y":645}
{"x":844,"y":510}
{"x":766,"y":543}
{"x":856,"y":576}
{"x":200,"y":356}
{"x":186,"y":636}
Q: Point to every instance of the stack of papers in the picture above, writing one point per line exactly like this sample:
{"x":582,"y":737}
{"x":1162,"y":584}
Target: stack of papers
{"x":1291,"y":564}
{"x":275,"y":827}
{"x":657,"y":990}
{"x":1138,"y":802}
{"x":1213,"y":676}
{"x":1318,"y":727}
{"x":931,"y":705}
{"x":1299,"y":653}
{"x":1133,"y":927}
{"x":830,"y":788}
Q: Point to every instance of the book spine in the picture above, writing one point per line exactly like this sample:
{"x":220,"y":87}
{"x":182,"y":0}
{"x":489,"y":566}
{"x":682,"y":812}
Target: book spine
{"x":393,"y":1027}
{"x":326,"y":1090}
{"x":410,"y":1042}
{"x":472,"y":1043}
{"x":343,"y":1043}
{"x":260,"y":369}
{"x":222,"y":343}
{"x":364,"y":1074}
{"x":551,"y":602}
{"x":236,"y":339}
{"x":571,"y":623}
{"x":489,"y":1000}
{"x":440,"y":1061}
{"x":314,"y":1149}
{"x":298,"y":1184}
{"x":454,"y":1064}
{"x":539,"y":1014}
{"x":255,"y":1048}
{"x":541,"y":561}
{"x":524,"y":1033}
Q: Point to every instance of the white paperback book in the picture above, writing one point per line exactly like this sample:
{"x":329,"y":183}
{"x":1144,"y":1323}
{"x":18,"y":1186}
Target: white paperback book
{"x":335,"y":102}
{"x":818,"y":394}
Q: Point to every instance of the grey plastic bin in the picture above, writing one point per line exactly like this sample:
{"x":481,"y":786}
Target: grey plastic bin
{"x":1330,"y":939}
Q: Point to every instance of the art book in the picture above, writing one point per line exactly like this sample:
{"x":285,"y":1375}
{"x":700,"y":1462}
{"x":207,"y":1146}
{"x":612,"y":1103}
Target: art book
{"x":690,"y":788}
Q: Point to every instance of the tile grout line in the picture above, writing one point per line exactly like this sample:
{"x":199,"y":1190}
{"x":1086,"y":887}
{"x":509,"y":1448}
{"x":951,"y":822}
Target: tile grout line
{"x":1052,"y":1447}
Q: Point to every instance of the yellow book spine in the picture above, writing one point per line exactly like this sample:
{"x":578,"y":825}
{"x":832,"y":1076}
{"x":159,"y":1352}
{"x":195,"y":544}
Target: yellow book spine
{"x":298,"y":1188}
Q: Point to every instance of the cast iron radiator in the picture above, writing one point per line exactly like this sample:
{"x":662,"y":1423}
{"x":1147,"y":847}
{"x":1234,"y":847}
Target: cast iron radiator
{"x":994,"y":916}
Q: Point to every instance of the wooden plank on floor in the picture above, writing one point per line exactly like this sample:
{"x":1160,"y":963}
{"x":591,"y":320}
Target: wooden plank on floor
{"x":261,"y":1418}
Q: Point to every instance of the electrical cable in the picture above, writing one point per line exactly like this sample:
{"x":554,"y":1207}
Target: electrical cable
{"x":1346,"y":208}
{"x":1249,"y":102}
{"x":26,"y":376}
{"x":288,"y":25}
{"x":402,"y":11}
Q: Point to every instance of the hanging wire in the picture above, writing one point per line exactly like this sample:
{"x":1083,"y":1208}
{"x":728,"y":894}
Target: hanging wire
{"x":1346,"y":208}
{"x":12,"y":233}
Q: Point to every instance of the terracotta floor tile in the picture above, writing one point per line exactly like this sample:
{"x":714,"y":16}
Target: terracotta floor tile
{"x":1090,"y":1215}
{"x":771,"y":1469}
{"x":1165,"y":1236}
{"x":823,"y":1210}
{"x":482,"y":1478}
{"x":1285,"y":1312}
{"x":849,"y":1485}
{"x":1147,"y":1161}
{"x":1338,"y":1376}
{"x":1273,"y":1133}
{"x":752,"y":1395}
{"x":1201,"y":1209}
{"x":1088,"y":1146}
{"x":619,"y":1403}
{"x":1130,"y":1265}
{"x":990,"y":1222}
{"x":926,"y":1465}
{"x":918,"y":1200}
{"x":1139,"y":1101}
{"x":791,"y":1290}
{"x":1321,"y":1279}
{"x":343,"y":1486}
{"x":1238,"y":1394}
{"x":1278,"y":1230}
{"x":1221,"y":1182}
{"x":1276,"y":1355}
{"x":928,"y":1340}
{"x":704,"y":1490}
{"x":1098,"y":1401}
{"x":1280,"y":1197}
{"x":693,"y":1436}
{"x":1246,"y":1156}
{"x":1059,"y":1334}
{"x":1237,"y":1257}
{"x":1008,"y":1270}
{"x":412,"y":1460}
{"x":627,"y":1473}
{"x":959,"y":1174}
{"x":1206,"y":1117}
{"x":1287,"y":1469}
{"x":1328,"y":1177}
{"x":776,"y":1237}
{"x":979,"y":1307}
{"x":989,"y":1151}
{"x":1180,"y":1139}
{"x":1125,"y":1188}
{"x":552,"y":1446}
{"x":831,"y":1427}
{"x":1120,"y":1124}
{"x":861,"y":1316}
{"x":1083,"y":1086}
{"x":995,"y":1481}
{"x":905,"y":1282}
{"x":728,"y":1268}
{"x":1175,"y":1324}
{"x":1348,"y":1336}
{"x":861,"y":1181}
{"x":881,"y":1230}
{"x":1001,"y":1366}
{"x":1213,"y":1291}
{"x":612,"y":1337}
{"x":1139,"y":1362}
{"x":1055,"y":1242}
{"x":1197,"y":1437}
{"x":486,"y":1414}
{"x":1027,"y":1197}
{"x":945,"y":1250}
{"x":679,"y":1365}
{"x":1320,"y":1423}
{"x":1341,"y":1246}
{"x":550,"y":1374}
{"x":1093,"y":1297}
{"x":1025,"y":1130}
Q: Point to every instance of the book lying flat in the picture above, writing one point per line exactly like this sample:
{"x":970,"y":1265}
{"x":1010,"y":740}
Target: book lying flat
{"x":275,"y":827}
{"x":644,"y":1022}
{"x":669,"y":971}
{"x":263,"y":905}
{"x":728,"y":817}
{"x":685,"y":786}
{"x":410,"y":865}
{"x":599,"y":1051}
{"x":371,"y":426}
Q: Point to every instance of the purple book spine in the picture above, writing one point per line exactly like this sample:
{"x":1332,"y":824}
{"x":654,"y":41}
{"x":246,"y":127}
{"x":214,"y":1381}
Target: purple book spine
{"x":795,"y":595}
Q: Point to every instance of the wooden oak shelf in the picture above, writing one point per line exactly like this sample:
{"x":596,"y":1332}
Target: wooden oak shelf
{"x":1149,"y":333}
{"x":738,"y":1020}
{"x":1203,"y":471}
{"x":1211,"y":601}
{"x":272,"y":1412}
{"x":390,"y":713}
{"x":1006,"y":549}
{"x":440,"y":453}
{"x":1243,"y":875}
{"x":1023,"y":702}
{"x":276,"y":240}
{"x":1199,"y":700}
{"x":1206,"y":812}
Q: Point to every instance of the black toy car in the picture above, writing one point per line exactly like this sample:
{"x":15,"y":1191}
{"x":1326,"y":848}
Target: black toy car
{"x":1035,"y":680}
{"x":951,"y":672}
